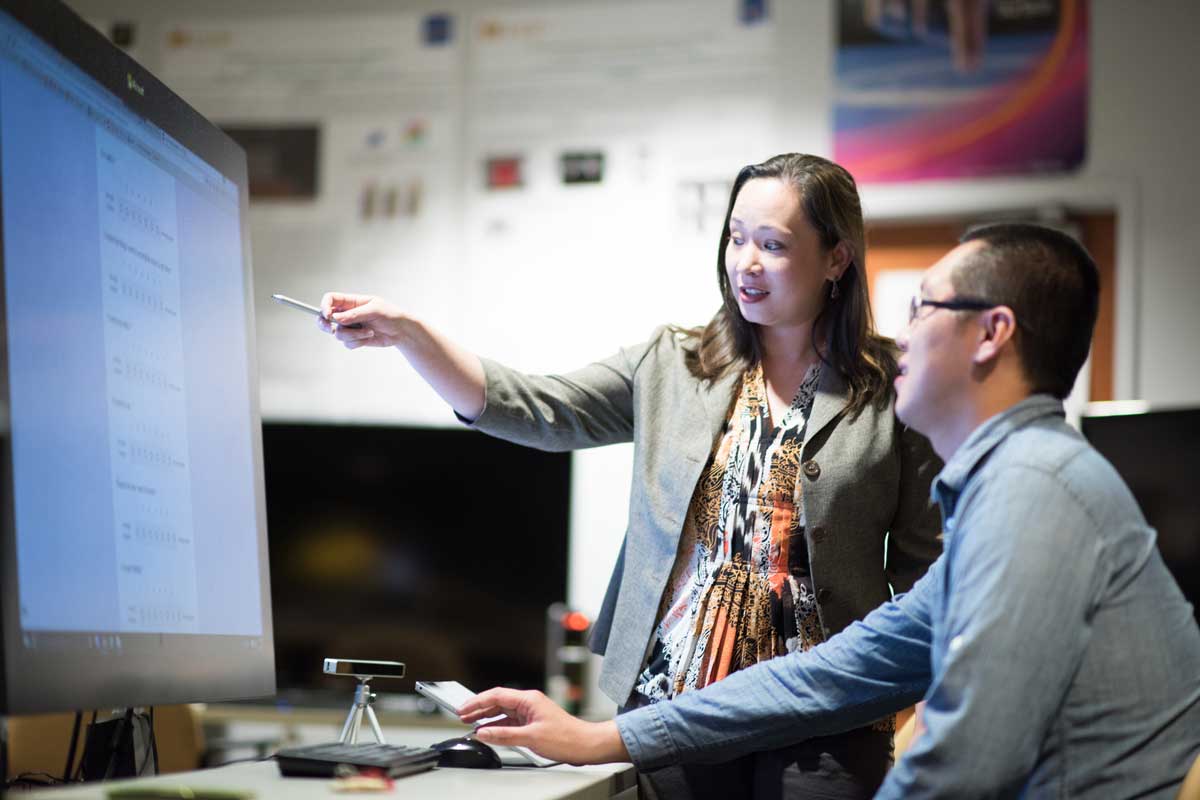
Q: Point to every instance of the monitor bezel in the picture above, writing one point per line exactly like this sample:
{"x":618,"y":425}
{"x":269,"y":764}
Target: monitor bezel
{"x":232,"y":671}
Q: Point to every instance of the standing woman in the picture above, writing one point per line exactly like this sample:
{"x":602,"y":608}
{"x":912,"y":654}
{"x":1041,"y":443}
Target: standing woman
{"x":769,"y":468}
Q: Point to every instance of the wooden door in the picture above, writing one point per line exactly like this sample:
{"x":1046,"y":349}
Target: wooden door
{"x":896,"y":250}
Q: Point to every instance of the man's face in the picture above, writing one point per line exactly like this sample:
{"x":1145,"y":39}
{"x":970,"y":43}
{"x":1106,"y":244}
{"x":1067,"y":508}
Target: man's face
{"x":938,"y":346}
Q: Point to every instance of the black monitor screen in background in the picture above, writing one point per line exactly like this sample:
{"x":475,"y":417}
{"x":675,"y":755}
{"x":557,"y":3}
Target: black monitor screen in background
{"x":134,"y":540}
{"x":437,"y":548}
{"x":1158,"y":455}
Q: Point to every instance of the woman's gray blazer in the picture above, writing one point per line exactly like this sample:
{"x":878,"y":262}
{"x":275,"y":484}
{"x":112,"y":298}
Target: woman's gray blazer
{"x":863,"y":479}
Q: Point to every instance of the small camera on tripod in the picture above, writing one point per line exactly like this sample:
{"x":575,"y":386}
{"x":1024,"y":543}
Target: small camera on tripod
{"x":365,"y":671}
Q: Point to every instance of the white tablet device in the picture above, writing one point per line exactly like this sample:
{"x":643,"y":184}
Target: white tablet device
{"x":450,"y":695}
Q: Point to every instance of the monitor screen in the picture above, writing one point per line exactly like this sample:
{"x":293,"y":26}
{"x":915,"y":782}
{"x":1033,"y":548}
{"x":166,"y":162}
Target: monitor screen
{"x":438,"y":548}
{"x":1157,"y":453}
{"x":134,"y":547}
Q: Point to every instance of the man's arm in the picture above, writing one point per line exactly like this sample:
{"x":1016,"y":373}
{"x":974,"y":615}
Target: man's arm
{"x":535,"y":721}
{"x":871,"y":669}
{"x":1023,"y":564}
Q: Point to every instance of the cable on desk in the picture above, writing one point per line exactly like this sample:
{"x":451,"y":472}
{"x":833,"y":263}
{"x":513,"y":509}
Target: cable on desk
{"x":83,"y":756}
{"x":31,"y":779}
{"x":71,"y":748}
{"x":125,"y":721}
{"x":151,"y":747}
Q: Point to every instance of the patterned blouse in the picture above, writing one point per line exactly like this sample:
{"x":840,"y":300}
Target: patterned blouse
{"x":740,"y":590}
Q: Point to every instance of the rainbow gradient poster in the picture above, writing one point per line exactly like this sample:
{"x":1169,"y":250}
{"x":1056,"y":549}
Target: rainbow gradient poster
{"x":943,"y":89}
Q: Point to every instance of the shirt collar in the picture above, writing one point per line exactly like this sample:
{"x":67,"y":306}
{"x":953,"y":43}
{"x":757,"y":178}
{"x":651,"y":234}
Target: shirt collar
{"x":950,"y":481}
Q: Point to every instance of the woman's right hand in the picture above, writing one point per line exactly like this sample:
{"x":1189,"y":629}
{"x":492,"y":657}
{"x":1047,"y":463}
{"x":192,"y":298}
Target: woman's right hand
{"x":454,"y":373}
{"x":382,"y":322}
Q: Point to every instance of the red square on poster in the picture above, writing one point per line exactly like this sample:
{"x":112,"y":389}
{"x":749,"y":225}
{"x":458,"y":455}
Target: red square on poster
{"x":504,"y":172}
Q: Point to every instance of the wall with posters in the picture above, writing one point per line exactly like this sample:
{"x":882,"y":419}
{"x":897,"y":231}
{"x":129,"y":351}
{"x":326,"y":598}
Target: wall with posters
{"x":445,"y":149}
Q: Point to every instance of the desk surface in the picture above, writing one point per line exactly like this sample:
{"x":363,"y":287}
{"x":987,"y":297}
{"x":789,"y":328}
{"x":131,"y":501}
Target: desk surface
{"x":262,"y":777}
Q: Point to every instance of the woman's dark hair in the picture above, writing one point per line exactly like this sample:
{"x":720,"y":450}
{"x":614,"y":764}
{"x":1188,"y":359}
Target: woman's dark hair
{"x":844,"y":331}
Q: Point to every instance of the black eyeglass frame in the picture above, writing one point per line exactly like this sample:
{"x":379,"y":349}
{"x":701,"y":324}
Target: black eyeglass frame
{"x":956,"y":304}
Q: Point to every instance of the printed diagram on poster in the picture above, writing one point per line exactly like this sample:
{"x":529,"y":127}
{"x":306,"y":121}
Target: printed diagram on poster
{"x":752,"y":12}
{"x":969,"y":88}
{"x":399,"y":138}
{"x":124,"y":33}
{"x":281,"y":160}
{"x":277,"y":60}
{"x":391,"y":199}
{"x":437,"y":29}
{"x":387,"y":167}
{"x":504,"y":172}
{"x":702,"y":204}
{"x":634,"y":43}
{"x":582,"y":167}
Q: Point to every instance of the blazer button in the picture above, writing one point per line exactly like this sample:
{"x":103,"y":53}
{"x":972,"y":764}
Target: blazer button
{"x":812,"y":469}
{"x":823,"y":595}
{"x":818,"y":534}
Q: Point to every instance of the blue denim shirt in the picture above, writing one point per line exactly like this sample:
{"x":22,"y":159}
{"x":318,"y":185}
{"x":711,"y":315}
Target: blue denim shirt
{"x":1056,"y":655}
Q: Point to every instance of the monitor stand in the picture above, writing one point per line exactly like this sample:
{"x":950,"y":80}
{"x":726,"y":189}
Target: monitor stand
{"x":120,"y":748}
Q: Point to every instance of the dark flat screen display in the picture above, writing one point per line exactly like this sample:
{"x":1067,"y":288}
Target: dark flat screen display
{"x":437,"y":548}
{"x":1158,"y":455}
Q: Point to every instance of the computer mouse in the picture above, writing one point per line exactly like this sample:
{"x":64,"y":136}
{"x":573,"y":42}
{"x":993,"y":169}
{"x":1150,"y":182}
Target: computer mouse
{"x":466,"y":752}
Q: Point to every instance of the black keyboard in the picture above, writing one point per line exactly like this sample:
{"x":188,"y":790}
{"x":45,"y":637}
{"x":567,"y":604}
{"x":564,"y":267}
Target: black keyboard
{"x":324,"y":760}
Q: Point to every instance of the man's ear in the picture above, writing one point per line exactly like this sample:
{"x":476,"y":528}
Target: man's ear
{"x":999,"y":326}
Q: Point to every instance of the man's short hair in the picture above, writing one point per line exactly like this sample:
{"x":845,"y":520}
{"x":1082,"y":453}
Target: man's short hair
{"x":1053,"y":287}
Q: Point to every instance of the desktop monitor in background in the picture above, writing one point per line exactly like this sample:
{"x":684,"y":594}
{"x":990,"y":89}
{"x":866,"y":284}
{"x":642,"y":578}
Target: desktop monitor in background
{"x":132,"y":517}
{"x":441,"y":548}
{"x":1157,"y":452}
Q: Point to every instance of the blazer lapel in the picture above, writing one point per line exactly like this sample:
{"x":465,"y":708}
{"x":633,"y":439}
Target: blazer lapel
{"x":715,"y":400}
{"x":829,"y":400}
{"x":706,"y":410}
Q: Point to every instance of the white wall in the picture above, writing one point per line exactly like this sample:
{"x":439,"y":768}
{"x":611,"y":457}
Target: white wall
{"x":580,"y":295}
{"x":1146,"y":117}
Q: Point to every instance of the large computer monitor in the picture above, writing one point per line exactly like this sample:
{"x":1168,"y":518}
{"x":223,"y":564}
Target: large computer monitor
{"x":1157,"y":452}
{"x":132,"y":516}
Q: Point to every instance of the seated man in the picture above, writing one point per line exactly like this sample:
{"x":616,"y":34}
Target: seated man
{"x":1055,"y":653}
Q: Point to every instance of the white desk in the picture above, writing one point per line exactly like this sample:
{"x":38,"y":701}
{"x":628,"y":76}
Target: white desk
{"x":603,"y":782}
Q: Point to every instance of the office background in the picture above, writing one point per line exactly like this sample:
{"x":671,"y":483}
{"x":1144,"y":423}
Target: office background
{"x":412,"y":123}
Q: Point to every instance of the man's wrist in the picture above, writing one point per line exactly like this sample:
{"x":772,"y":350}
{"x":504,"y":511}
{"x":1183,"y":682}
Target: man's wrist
{"x":605,"y":743}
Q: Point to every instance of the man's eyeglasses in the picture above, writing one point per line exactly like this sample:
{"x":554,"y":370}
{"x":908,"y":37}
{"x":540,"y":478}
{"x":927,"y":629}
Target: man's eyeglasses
{"x":960,"y":304}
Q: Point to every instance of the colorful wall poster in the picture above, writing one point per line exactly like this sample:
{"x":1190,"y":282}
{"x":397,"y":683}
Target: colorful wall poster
{"x":929,"y":89}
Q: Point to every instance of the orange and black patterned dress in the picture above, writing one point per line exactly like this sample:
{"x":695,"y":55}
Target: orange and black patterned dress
{"x":740,"y":590}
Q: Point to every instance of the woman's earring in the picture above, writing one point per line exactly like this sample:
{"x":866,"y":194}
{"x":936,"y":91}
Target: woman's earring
{"x":834,"y":292}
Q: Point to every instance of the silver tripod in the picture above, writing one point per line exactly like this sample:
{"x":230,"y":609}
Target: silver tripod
{"x":363,"y":697}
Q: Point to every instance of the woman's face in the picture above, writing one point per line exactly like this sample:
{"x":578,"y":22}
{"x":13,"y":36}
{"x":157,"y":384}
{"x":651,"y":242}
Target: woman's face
{"x":776,"y":264}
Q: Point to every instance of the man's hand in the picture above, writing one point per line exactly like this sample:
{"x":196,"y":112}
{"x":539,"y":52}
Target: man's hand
{"x":537,"y":722}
